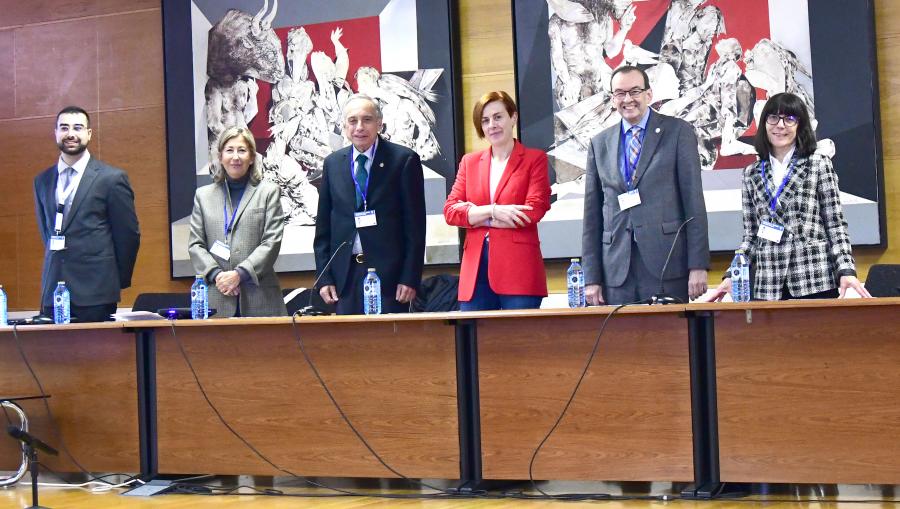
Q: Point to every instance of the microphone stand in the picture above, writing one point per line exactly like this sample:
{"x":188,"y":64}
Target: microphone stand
{"x":31,"y":445}
{"x":661,"y":297}
{"x":309,"y":309}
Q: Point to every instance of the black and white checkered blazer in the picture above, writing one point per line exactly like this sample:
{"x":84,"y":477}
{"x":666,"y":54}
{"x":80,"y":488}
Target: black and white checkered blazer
{"x":815,"y":248}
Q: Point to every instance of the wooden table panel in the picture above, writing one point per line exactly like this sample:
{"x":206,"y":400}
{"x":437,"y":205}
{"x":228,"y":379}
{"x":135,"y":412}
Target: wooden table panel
{"x":90,"y":372}
{"x":810,"y":394}
{"x":396,"y":381}
{"x":631,"y":419}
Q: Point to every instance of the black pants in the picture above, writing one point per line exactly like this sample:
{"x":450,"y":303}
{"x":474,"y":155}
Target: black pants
{"x":98,"y":313}
{"x":827,"y":294}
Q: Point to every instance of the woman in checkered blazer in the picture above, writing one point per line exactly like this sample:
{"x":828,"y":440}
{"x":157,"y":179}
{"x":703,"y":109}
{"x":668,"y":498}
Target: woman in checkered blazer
{"x":795,"y":234}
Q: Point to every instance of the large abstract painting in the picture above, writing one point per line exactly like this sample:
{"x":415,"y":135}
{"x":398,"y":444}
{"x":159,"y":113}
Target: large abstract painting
{"x":284,"y":70}
{"x":713,"y":63}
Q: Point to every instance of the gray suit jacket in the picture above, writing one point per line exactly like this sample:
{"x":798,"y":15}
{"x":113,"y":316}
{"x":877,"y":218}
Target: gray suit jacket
{"x":255,"y":242}
{"x":102,"y":235}
{"x":668,"y":178}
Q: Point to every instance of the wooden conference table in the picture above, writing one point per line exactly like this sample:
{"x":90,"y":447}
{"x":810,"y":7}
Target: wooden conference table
{"x":805,"y":392}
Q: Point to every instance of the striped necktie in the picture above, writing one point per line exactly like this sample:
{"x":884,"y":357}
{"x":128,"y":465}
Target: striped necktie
{"x":634,"y":153}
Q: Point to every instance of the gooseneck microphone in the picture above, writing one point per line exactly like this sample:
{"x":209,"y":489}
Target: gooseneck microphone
{"x":30,"y":440}
{"x":661,"y":296}
{"x":311,"y":310}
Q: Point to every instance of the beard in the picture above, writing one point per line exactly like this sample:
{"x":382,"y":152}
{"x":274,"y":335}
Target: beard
{"x":78,"y":148}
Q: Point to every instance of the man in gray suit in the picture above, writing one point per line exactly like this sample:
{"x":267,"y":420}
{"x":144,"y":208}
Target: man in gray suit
{"x":85,"y":213}
{"x":642,"y":185}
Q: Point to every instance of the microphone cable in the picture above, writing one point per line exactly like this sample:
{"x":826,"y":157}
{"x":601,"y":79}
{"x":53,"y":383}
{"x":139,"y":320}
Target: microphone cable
{"x":340,"y":492}
{"x":349,"y":423}
{"x":43,"y":396}
{"x":309,"y":306}
{"x":233,"y":431}
{"x":587,"y":365}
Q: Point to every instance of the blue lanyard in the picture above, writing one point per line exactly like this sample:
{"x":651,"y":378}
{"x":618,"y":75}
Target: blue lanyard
{"x":229,"y":224}
{"x":363,"y":192}
{"x":630,"y":170}
{"x":773,"y":199}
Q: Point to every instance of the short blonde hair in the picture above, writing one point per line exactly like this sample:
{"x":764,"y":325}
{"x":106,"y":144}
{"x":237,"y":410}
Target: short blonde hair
{"x":217,"y":171}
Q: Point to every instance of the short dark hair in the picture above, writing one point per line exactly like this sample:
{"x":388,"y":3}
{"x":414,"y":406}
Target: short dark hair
{"x":74,"y":109}
{"x":497,"y":95}
{"x":630,"y":68}
{"x":786,"y":103}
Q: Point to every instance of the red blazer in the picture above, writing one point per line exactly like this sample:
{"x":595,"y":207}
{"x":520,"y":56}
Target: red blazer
{"x":517,"y":266}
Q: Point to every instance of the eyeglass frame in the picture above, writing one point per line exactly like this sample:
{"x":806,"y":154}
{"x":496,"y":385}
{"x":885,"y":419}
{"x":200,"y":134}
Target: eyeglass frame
{"x":794,"y":121}
{"x":634,"y":93}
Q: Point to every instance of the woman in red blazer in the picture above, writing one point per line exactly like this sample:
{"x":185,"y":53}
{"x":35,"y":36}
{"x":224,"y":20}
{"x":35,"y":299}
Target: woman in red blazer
{"x":499,"y":196}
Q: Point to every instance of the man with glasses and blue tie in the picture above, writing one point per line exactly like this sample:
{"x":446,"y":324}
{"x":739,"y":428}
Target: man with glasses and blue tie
{"x":86,"y":217}
{"x":371,"y":215}
{"x":642,"y":186}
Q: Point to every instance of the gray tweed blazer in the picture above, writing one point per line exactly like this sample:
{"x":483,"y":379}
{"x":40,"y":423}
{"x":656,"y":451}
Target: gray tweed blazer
{"x":255,"y":242}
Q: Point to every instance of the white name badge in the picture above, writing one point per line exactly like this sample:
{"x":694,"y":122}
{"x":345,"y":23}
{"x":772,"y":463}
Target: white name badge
{"x":770,"y":231}
{"x":57,"y":242}
{"x":365,"y":218}
{"x":57,"y":224}
{"x":221,"y":250}
{"x":630,"y":199}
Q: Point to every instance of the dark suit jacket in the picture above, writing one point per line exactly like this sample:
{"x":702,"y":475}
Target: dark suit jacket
{"x":102,"y":235}
{"x":395,"y":247}
{"x":517,"y":266}
{"x":668,"y":178}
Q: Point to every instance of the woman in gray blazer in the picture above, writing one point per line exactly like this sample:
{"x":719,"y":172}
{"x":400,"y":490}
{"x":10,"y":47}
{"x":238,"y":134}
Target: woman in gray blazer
{"x":236,"y":230}
{"x":795,"y":234}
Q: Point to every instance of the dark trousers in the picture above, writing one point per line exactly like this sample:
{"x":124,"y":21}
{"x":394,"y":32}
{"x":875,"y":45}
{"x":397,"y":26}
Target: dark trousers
{"x":98,"y":313}
{"x":484,"y":297}
{"x":641,"y":283}
{"x":827,"y":294}
{"x":350,"y":301}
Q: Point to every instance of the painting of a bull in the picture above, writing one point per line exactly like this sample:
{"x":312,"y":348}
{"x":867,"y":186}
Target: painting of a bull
{"x":241,"y":49}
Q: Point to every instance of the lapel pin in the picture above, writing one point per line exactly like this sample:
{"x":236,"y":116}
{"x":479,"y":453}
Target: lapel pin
{"x":381,"y":165}
{"x":657,"y":130}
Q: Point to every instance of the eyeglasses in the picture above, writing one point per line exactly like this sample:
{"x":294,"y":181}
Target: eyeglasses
{"x":634,"y":93}
{"x":789,"y":120}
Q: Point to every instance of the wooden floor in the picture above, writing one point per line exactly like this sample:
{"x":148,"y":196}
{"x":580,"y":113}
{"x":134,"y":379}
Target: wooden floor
{"x":837,"y":497}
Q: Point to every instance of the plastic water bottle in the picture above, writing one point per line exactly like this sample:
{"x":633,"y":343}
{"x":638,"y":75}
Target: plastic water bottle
{"x":4,"y":317}
{"x":372,"y":293}
{"x":575,"y":284}
{"x":62,"y":308}
{"x":740,"y":277}
{"x":199,"y":298}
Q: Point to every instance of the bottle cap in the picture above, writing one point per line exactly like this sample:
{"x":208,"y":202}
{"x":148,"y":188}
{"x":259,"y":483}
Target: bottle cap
{"x":60,"y":282}
{"x":198,"y":276}
{"x":575,"y":260}
{"x":371,"y":269}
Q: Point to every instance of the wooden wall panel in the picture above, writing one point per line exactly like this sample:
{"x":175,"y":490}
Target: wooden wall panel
{"x":17,"y":12}
{"x":56,"y":64}
{"x":7,"y":86}
{"x":130,"y":61}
